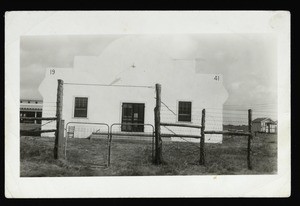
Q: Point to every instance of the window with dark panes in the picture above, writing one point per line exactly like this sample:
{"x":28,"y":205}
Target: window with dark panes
{"x":38,"y":114}
{"x":22,"y":115}
{"x":27,"y":114}
{"x":80,"y":109}
{"x":184,"y":111}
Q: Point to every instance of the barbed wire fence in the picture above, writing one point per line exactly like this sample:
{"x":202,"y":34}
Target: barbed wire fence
{"x":49,"y":110}
{"x":220,"y":122}
{"x":228,"y":117}
{"x":178,"y":150}
{"x":35,"y":125}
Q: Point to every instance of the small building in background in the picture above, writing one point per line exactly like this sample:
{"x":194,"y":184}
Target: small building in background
{"x":264,"y":125}
{"x":30,"y":108}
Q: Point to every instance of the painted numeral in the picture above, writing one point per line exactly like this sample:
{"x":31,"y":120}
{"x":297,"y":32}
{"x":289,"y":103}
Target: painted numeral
{"x":217,"y":78}
{"x":52,"y":71}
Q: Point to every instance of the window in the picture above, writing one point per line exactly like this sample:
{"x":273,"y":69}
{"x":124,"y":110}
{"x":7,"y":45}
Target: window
{"x":27,"y":114}
{"x":80,"y":109}
{"x":38,"y":114}
{"x":184,"y":111}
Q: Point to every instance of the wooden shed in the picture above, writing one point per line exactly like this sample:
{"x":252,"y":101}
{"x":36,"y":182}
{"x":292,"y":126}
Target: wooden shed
{"x":264,"y":125}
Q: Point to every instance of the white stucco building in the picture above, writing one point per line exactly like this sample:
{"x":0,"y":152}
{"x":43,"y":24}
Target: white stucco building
{"x":135,"y":61}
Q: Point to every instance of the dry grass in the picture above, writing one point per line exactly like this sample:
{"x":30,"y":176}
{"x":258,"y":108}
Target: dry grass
{"x":88,"y":157}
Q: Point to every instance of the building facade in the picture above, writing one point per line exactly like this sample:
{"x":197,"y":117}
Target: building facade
{"x":264,"y":125}
{"x":119,"y":86}
{"x":30,"y":108}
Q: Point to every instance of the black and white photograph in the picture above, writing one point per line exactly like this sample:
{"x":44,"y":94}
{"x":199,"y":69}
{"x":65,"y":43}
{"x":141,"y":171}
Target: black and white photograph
{"x":149,"y":105}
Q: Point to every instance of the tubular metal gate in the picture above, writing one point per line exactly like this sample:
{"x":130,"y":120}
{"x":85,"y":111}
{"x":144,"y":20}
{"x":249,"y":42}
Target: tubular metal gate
{"x":93,"y":135}
{"x":109,"y":133}
{"x":132,"y":134}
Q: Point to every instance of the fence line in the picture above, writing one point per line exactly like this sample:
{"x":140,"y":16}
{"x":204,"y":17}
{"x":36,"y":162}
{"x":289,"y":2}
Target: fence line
{"x":214,"y":120}
{"x":209,"y":120}
{"x":39,"y":130}
{"x":109,"y":85}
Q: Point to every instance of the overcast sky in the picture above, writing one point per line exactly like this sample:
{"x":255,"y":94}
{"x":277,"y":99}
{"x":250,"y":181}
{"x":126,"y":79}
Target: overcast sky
{"x":247,"y":61}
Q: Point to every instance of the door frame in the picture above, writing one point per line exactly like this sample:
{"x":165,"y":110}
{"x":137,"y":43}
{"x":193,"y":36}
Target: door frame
{"x":131,"y":102}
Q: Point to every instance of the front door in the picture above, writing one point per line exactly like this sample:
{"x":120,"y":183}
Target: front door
{"x":133,"y":114}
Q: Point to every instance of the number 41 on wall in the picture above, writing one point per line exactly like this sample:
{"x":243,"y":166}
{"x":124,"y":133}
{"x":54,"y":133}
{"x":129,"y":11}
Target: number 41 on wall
{"x":217,"y":78}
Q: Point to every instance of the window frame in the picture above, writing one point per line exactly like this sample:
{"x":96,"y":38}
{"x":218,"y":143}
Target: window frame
{"x":27,"y":121}
{"x":178,"y":102}
{"x":74,"y":104}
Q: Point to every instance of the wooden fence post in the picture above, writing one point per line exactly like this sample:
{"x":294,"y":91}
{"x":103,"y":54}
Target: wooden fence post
{"x":61,"y":139}
{"x":249,"y":163}
{"x":109,"y":146}
{"x":202,"y":140}
{"x":59,"y":134}
{"x":158,"y":141}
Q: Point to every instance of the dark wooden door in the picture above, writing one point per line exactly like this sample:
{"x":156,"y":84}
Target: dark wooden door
{"x":133,"y":114}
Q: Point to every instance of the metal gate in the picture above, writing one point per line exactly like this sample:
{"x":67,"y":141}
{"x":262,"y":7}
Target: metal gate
{"x":120,"y":134}
{"x":79,"y":135}
{"x":87,"y":140}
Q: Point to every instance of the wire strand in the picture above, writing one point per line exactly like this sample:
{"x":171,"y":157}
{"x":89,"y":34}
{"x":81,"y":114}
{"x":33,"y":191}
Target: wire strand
{"x":108,"y":85}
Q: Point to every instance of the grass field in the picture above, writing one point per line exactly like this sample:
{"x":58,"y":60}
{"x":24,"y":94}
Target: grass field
{"x":133,"y":158}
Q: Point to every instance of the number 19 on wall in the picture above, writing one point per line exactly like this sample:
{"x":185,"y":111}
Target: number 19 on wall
{"x":52,"y":71}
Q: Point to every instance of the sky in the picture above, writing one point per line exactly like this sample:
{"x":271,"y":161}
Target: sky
{"x":246,"y":61}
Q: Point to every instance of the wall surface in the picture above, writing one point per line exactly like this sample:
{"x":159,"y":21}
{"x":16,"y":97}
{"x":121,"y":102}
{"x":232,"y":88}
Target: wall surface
{"x":179,"y":81}
{"x":257,"y":127}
